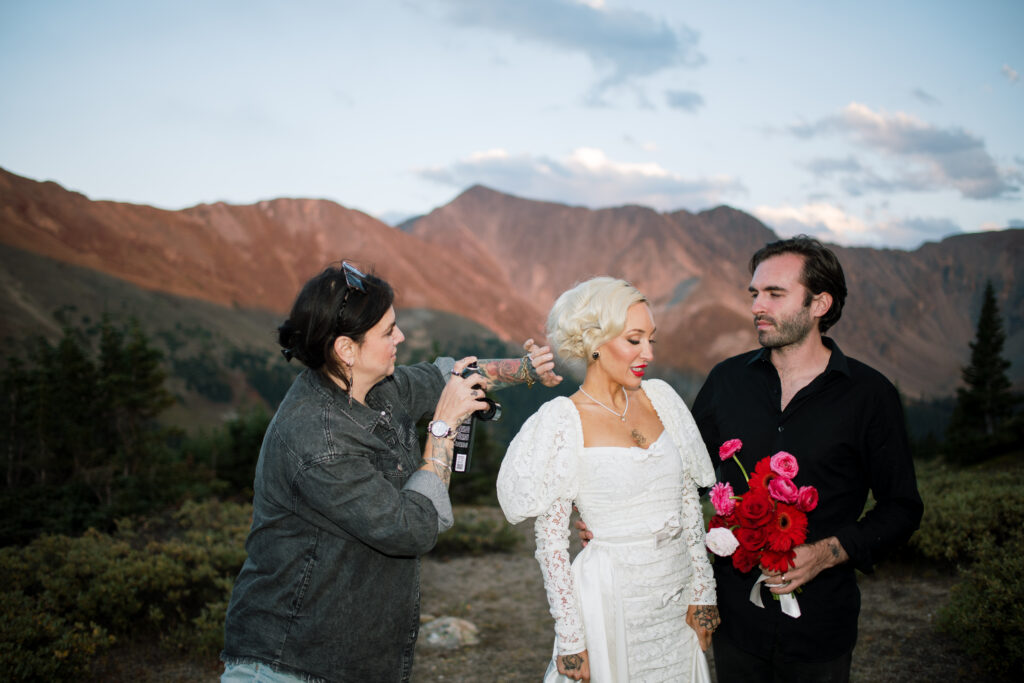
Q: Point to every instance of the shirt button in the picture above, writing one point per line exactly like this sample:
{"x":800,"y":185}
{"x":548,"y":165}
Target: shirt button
{"x":781,"y":428}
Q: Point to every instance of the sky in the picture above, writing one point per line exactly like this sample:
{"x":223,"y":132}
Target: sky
{"x":883,"y":124}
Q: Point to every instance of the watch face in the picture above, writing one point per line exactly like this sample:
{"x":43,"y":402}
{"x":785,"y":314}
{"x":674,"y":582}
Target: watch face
{"x":439,"y":428}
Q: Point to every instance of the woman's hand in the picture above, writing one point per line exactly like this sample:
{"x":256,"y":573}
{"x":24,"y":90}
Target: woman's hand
{"x":704,"y":620}
{"x":459,"y":398}
{"x":576,"y":667}
{"x":543,"y":361}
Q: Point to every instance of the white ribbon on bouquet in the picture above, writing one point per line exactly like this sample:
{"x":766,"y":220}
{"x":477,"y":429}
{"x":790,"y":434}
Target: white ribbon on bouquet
{"x":787,"y":601}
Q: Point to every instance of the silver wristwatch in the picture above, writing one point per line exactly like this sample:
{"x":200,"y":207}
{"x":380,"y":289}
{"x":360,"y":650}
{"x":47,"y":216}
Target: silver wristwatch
{"x":440,"y":429}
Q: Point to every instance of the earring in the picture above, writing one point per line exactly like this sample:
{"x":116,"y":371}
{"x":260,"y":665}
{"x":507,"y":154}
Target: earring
{"x":595,"y":355}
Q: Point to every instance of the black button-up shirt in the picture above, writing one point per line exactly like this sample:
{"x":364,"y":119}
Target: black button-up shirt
{"x":847,"y":432}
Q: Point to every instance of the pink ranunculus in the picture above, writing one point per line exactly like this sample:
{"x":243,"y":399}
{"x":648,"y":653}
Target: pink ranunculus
{"x":783,"y":489}
{"x":721,"y":541}
{"x":806,"y":498}
{"x":784,"y":465}
{"x":726,"y":450}
{"x":722,"y":498}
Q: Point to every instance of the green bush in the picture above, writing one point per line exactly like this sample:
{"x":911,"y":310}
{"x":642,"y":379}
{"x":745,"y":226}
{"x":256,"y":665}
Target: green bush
{"x":963,"y":508}
{"x":477,"y":530}
{"x":984,"y":612}
{"x":66,"y":600}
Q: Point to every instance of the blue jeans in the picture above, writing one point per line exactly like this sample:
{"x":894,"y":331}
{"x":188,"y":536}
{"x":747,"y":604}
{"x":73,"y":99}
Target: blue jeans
{"x":255,"y":673}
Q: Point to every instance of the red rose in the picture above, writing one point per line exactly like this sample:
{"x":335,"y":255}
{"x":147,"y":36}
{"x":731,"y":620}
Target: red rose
{"x":744,"y":559}
{"x":780,"y":561}
{"x":762,"y":475}
{"x":756,"y":508}
{"x":751,"y":538}
{"x":788,"y":528}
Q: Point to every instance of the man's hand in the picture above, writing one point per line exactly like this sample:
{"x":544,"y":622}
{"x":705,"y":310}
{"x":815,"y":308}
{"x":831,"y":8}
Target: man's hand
{"x":704,"y":620}
{"x":811,"y":559}
{"x":576,"y":667}
{"x":543,"y":361}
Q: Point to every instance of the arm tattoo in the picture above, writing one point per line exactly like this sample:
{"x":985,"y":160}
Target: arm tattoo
{"x":834,"y":547}
{"x":440,"y":456}
{"x":504,"y":372}
{"x":572,"y":662}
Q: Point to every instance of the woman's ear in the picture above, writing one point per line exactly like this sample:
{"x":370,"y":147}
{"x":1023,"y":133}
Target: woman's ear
{"x":345,"y":349}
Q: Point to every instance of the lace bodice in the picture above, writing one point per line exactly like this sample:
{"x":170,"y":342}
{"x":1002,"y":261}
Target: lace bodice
{"x":642,"y":503}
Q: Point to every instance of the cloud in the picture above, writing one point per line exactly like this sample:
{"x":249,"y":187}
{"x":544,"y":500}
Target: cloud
{"x":933,"y":157}
{"x":686,"y":100}
{"x":1015,"y":223}
{"x":831,"y":223}
{"x":622,"y":44}
{"x":924,"y":96}
{"x":827,"y":167}
{"x":588,"y":178}
{"x":1010,"y":73}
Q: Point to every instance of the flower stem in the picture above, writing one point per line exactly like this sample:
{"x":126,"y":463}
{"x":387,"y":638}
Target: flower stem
{"x":742,"y":471}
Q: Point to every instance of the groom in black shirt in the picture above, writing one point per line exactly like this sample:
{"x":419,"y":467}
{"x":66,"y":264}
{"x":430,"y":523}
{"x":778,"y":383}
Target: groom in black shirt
{"x":844,"y":423}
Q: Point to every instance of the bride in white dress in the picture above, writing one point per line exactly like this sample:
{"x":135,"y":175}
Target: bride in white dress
{"x":638,"y":603}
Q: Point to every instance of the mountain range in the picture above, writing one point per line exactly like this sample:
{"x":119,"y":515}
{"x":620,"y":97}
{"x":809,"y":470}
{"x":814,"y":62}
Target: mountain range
{"x":491,"y":264}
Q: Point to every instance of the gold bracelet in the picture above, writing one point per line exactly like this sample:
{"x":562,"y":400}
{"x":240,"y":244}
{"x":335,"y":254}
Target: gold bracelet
{"x":524,"y":371}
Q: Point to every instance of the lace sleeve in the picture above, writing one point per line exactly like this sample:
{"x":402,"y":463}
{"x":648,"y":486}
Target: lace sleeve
{"x":540,"y":464}
{"x":538,"y":479}
{"x":703,"y":584}
{"x":552,"y":529}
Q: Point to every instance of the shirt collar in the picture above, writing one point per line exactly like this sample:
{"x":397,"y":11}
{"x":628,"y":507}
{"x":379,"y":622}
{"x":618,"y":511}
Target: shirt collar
{"x":837,"y":360}
{"x":363,"y":416}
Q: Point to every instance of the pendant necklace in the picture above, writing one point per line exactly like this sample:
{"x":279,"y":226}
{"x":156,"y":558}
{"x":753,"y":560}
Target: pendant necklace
{"x":621,"y":416}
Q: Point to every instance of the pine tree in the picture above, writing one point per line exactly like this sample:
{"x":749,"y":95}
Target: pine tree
{"x":986,"y":403}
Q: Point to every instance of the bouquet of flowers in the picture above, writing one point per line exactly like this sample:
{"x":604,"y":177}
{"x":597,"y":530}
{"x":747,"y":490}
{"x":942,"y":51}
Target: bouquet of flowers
{"x":762,"y":526}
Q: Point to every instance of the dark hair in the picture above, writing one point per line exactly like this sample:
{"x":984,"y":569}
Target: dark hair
{"x":821,"y":272}
{"x":327,"y":308}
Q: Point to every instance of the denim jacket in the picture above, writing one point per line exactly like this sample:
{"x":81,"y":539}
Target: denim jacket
{"x":341,"y":513}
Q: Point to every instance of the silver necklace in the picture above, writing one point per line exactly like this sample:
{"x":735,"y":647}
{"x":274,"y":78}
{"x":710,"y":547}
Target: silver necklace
{"x":622,"y":417}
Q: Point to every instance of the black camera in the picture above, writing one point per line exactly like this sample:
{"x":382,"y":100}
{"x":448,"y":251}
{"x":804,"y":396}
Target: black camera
{"x":464,"y":434}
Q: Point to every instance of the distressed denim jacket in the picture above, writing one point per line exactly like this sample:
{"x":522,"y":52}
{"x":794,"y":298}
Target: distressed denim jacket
{"x":330,"y":587}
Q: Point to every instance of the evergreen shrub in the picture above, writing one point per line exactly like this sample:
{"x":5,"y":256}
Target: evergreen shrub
{"x":66,"y":600}
{"x":477,"y":530}
{"x":984,"y":611}
{"x":963,"y":508}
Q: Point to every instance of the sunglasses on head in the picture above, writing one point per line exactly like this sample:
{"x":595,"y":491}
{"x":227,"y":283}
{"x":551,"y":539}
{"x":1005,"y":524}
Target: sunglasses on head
{"x":354,"y":279}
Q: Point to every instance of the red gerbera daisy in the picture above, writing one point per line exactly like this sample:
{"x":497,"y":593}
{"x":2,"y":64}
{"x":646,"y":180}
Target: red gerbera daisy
{"x":787,"y":529}
{"x":779,"y":561}
{"x":762,"y":474}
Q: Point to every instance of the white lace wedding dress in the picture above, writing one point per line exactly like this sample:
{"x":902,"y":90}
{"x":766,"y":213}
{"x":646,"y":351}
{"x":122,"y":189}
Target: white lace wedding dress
{"x":624,"y":598}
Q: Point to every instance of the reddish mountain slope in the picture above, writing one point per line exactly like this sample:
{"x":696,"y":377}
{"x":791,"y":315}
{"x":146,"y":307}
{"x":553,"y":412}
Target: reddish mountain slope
{"x":256,"y":255}
{"x":501,"y":260}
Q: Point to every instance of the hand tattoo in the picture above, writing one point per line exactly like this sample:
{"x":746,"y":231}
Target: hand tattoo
{"x":572,"y":662}
{"x":707,"y":617}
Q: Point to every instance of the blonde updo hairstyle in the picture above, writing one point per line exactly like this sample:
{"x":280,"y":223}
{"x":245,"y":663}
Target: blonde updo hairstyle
{"x":588,"y":315}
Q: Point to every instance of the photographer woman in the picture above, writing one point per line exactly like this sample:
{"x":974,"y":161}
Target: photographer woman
{"x":345,"y":501}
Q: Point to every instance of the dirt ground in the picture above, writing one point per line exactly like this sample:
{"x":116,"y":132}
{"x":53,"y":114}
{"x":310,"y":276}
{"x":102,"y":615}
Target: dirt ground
{"x":504,"y":596}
